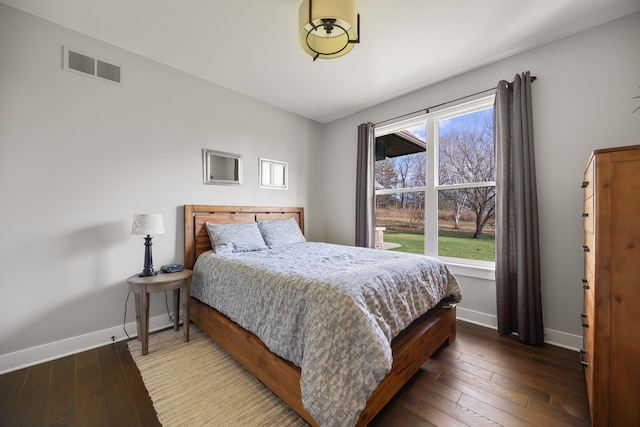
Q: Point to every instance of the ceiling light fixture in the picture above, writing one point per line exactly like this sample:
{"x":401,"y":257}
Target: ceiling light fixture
{"x":328,"y":28}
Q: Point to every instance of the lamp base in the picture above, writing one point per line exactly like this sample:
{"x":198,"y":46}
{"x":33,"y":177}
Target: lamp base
{"x":147,"y":273}
{"x":147,"y":270}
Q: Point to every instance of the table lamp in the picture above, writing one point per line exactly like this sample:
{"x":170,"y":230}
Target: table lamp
{"x":147,"y":224}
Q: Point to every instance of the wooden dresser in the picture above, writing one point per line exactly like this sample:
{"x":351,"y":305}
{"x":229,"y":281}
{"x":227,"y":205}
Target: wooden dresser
{"x":611,"y":318}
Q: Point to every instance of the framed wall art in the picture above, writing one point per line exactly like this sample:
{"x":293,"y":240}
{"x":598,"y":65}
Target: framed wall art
{"x":220,"y":168}
{"x":274,"y":174}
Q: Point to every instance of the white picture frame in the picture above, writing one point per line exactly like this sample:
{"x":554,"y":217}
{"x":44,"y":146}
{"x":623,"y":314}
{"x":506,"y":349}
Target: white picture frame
{"x":274,"y":174}
{"x":221,"y":168}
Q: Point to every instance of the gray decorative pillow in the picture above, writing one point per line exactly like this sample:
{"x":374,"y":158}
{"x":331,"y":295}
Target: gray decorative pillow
{"x":228,"y":238}
{"x":281,"y":232}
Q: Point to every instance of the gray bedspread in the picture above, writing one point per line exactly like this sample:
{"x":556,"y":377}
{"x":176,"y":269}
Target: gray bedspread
{"x":332,"y":310}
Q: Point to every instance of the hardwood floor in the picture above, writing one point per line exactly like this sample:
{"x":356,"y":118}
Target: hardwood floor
{"x":100,"y":387}
{"x":481,"y":379}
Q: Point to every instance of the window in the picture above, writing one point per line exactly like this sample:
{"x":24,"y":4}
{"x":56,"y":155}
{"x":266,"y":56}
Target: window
{"x":435,"y":184}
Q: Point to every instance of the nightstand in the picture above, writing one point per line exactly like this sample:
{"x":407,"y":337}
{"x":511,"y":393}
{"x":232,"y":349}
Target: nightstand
{"x":142,"y":286}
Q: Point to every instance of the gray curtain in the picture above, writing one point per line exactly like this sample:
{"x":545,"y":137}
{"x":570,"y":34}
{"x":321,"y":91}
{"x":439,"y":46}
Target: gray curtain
{"x":519,"y":302}
{"x":365,"y":197}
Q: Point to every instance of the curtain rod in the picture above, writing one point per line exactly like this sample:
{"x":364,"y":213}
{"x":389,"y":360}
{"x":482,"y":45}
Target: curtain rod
{"x":426,"y":110}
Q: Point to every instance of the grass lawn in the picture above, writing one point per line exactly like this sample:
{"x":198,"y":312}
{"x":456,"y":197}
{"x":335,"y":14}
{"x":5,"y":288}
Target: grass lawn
{"x":455,"y":244}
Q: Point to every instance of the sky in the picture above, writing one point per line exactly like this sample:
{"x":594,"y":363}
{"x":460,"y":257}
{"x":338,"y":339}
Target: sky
{"x":446,"y":125}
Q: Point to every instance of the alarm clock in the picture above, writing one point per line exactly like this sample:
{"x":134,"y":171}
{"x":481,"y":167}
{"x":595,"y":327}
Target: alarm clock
{"x":172,"y":268}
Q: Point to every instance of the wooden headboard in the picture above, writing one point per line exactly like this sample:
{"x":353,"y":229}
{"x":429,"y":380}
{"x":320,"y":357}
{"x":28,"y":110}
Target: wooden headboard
{"x":196,"y":239}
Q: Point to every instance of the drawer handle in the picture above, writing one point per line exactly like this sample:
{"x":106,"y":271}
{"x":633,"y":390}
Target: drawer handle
{"x":585,"y":215}
{"x":583,"y":353}
{"x":583,"y":316}
{"x":585,"y":284}
{"x":585,"y":184}
{"x":585,"y":248}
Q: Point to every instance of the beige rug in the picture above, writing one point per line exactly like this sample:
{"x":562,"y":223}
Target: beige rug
{"x":199,"y":384}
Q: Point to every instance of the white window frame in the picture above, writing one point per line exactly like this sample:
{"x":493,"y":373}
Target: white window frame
{"x":462,"y":266}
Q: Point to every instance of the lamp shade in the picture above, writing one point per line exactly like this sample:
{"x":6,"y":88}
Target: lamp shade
{"x":328,"y":28}
{"x":144,"y":224}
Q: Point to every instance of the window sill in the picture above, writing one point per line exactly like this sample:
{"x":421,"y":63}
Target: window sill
{"x":476,"y":271}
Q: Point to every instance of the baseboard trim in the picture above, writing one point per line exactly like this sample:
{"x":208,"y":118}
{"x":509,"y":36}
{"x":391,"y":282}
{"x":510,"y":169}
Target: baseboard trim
{"x":563,"y":339}
{"x":57,"y":349}
{"x":551,"y":336}
{"x":477,"y":317}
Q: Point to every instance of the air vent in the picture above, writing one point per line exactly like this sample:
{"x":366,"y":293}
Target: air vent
{"x":88,"y":65}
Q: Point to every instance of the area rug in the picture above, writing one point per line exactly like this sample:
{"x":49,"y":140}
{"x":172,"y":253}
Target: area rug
{"x":199,"y":384}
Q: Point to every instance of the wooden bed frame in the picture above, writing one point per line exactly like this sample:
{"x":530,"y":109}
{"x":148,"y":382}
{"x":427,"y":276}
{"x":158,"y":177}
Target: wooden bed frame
{"x":410,"y":349}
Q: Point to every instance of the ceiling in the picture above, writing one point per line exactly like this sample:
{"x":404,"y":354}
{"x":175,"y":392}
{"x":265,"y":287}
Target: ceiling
{"x":251,"y":46}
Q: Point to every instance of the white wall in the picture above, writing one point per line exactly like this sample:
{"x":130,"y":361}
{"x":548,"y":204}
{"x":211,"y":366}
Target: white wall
{"x":583,"y":100}
{"x":80,"y":156}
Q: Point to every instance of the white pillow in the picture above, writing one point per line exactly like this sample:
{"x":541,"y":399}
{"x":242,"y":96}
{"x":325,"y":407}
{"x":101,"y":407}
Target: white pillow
{"x":281,"y":232}
{"x":229,"y":238}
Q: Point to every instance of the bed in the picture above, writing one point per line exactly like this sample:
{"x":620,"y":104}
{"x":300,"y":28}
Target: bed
{"x":410,"y":347}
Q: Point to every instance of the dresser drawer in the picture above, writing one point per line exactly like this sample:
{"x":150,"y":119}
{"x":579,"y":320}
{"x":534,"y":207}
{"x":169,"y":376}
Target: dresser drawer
{"x":588,"y":283}
{"x":587,"y":352}
{"x":587,"y":182}
{"x":587,"y":314}
{"x":588,"y":248}
{"x":587,"y":215}
{"x":588,"y":373}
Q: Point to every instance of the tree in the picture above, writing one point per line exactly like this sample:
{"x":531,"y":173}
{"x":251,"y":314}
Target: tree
{"x":386,"y":176}
{"x":482,"y":203}
{"x":407,"y":168}
{"x":454,"y":201}
{"x":466,"y":156}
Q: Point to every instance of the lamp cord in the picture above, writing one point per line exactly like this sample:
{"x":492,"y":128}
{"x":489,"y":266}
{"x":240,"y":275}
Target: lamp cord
{"x":124,"y":321}
{"x":166,"y":302}
{"x":126,"y":302}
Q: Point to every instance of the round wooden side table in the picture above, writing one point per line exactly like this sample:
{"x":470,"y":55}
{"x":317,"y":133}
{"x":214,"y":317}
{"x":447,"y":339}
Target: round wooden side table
{"x":142,"y":286}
